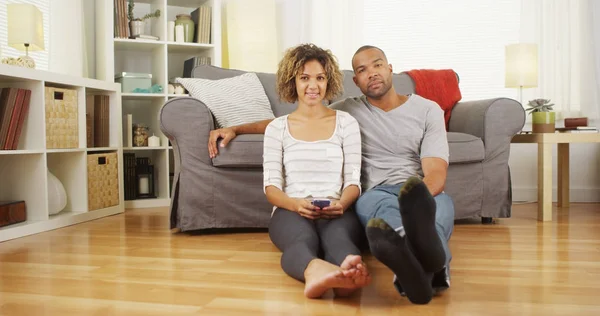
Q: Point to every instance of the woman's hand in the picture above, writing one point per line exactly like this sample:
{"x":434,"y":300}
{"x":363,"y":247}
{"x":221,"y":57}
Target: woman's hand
{"x":305,"y":209}
{"x":334,"y":210}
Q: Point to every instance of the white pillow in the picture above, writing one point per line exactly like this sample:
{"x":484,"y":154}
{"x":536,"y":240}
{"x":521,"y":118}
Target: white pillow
{"x":233,"y":101}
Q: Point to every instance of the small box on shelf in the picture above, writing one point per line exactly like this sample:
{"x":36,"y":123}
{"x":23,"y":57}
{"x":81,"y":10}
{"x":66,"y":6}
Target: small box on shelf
{"x":134,"y":82}
{"x":103,"y":180}
{"x":62,"y":117}
{"x":12,"y":212}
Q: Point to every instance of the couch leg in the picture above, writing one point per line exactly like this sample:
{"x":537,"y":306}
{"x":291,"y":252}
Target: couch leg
{"x":487,"y":220}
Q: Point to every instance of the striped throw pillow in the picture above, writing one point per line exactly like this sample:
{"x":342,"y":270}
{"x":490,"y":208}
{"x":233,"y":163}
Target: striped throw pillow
{"x":233,"y":101}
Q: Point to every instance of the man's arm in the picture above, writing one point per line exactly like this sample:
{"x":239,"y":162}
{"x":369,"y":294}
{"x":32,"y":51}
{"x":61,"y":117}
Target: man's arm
{"x":435,"y":171}
{"x":435,"y":152}
{"x":230,"y":133}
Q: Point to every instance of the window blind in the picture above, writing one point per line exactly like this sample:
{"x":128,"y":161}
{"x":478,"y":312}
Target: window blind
{"x":468,"y":36}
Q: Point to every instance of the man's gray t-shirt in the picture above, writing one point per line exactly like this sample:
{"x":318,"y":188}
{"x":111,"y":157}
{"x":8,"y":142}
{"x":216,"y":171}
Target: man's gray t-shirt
{"x":394,"y":142}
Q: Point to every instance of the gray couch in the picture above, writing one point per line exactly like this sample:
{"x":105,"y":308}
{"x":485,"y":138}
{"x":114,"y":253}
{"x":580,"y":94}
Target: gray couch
{"x":226,"y":191}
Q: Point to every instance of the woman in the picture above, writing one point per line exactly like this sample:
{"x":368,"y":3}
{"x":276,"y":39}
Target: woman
{"x":314,"y":153}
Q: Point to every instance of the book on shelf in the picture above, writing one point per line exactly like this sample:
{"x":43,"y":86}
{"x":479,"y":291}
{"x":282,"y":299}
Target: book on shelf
{"x":14,"y":107}
{"x":128,"y":130}
{"x":129,"y":175}
{"x":190,"y":64}
{"x":578,"y":129}
{"x":121,"y":22}
{"x":98,"y":110}
{"x":145,"y":37}
{"x":202,"y":17}
{"x":89,"y":130}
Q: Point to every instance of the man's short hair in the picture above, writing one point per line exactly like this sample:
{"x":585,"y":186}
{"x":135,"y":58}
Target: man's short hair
{"x":365,"y":47}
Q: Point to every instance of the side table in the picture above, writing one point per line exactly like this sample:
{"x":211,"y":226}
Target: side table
{"x":545,"y":143}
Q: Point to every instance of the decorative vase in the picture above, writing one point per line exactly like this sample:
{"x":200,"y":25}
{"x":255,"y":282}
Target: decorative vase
{"x":185,"y":20}
{"x":136,"y":27}
{"x":57,"y":196}
{"x":543,"y":122}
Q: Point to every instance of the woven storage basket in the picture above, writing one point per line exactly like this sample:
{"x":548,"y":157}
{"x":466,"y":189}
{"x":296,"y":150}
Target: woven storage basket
{"x":61,"y":118}
{"x":103,"y":180}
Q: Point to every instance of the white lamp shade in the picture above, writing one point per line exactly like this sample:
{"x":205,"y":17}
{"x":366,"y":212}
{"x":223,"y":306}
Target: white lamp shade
{"x":521,"y":66}
{"x":25,"y":26}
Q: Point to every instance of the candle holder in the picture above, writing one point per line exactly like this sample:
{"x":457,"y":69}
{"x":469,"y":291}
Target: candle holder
{"x":153,"y":141}
{"x":145,"y":179}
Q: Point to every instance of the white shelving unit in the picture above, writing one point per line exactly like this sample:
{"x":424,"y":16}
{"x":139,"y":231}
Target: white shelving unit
{"x":164,"y":60}
{"x":23,"y":172}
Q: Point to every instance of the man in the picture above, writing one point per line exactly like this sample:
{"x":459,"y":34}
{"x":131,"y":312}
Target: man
{"x":408,"y":221}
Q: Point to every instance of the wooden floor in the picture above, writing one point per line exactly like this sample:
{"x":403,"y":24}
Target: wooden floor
{"x":131,"y":264}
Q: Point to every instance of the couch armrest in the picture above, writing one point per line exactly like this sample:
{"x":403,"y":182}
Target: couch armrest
{"x":187,"y":123}
{"x":495,"y":121}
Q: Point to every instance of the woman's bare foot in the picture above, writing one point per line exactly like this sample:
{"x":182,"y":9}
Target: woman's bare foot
{"x":354,"y":268}
{"x":321,"y":276}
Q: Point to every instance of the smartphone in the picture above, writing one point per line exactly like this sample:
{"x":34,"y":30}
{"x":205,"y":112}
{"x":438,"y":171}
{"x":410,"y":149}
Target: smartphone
{"x":321,"y":203}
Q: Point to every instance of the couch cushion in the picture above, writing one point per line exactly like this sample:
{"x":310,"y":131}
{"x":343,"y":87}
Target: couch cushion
{"x":247,"y":150}
{"x":465,"y":148}
{"x":233,"y":101}
{"x":242,"y":152}
{"x":267,"y":80}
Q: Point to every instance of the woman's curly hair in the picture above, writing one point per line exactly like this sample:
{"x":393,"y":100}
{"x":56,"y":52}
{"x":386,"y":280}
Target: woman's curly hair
{"x":293,"y":63}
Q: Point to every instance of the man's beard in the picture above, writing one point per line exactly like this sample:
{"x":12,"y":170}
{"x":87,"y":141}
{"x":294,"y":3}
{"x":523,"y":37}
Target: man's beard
{"x":385,"y":87}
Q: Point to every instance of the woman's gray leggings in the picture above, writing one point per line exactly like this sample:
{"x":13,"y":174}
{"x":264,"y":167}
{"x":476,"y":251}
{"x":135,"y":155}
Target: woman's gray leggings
{"x":302,"y":240}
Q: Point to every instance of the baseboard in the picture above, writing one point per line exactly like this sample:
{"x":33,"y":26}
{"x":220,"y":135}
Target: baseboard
{"x":584,"y":195}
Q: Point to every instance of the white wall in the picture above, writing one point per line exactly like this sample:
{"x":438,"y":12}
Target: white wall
{"x":66,"y":45}
{"x":72,"y":37}
{"x":251,"y":34}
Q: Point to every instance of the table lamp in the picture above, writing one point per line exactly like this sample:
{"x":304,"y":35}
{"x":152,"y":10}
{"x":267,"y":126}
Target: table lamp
{"x":521,"y":67}
{"x":25,"y":30}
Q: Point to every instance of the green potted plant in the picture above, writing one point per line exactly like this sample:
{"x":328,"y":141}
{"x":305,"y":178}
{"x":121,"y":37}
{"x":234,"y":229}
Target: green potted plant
{"x":136,"y":25}
{"x":543,"y":118}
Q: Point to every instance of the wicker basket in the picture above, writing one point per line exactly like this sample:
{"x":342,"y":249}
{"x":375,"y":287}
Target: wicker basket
{"x":103,"y":180}
{"x":61,"y":118}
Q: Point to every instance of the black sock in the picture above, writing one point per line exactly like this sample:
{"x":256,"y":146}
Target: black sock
{"x":417,"y":208}
{"x":394,"y":251}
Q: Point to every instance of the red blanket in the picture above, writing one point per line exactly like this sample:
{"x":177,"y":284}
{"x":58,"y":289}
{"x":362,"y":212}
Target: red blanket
{"x":440,"y":86}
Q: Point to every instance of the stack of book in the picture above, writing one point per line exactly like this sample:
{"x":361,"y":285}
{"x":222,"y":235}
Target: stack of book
{"x":14,"y":106}
{"x":190,"y":64}
{"x":98,"y":116}
{"x":202,"y":20}
{"x":130,"y":177}
{"x":120,"y":18}
{"x":578,"y":129}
